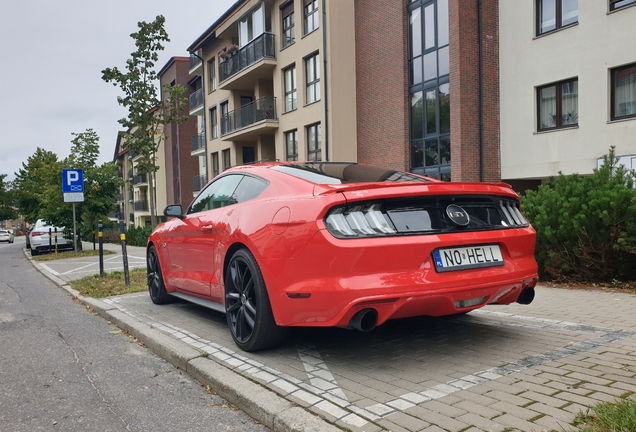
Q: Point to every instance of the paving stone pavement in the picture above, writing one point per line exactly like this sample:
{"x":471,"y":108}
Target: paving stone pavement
{"x":500,"y":368}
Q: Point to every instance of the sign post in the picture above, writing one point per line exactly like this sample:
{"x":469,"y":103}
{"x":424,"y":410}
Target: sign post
{"x":73,"y":190}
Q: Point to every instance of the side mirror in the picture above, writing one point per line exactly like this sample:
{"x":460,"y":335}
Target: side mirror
{"x":174,"y":210}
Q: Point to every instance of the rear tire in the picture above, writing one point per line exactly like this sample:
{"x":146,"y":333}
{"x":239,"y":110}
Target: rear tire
{"x":34,"y":252}
{"x":248,"y":310}
{"x":156,"y":287}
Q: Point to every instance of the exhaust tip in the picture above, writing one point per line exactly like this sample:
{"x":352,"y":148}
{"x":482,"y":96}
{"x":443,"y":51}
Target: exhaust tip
{"x":526,"y":296}
{"x":364,"y":320}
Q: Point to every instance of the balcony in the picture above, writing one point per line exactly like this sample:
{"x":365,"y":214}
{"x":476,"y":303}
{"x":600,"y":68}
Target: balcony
{"x":195,"y":63}
{"x":199,"y":182}
{"x":196,"y":102}
{"x":141,"y":206}
{"x":198,"y":144}
{"x":254,"y":61}
{"x":250,"y":120}
{"x":139,"y":179}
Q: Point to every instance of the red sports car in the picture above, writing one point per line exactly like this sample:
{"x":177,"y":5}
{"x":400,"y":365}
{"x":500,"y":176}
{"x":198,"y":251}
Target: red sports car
{"x":276,"y":245}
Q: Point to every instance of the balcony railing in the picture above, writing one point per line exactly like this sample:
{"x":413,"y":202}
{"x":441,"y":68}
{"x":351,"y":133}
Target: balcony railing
{"x":194,"y":61}
{"x":260,"y":109}
{"x":199,"y":182}
{"x":196,"y":99}
{"x":137,"y":179}
{"x":141,"y":205}
{"x":264,"y":46}
{"x":198,"y":142}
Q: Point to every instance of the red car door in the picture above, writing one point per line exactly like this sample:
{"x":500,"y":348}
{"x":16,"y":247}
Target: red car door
{"x":192,"y":241}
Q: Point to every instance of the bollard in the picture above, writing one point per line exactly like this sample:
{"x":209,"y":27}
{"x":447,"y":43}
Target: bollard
{"x":55,"y":235}
{"x":124,"y":253}
{"x":100,"y":235}
{"x":50,"y":239}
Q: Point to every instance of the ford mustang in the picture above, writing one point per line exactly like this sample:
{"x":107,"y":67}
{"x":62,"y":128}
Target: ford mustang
{"x":277,"y":245}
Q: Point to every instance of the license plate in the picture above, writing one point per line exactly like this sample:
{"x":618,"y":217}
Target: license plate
{"x":461,"y":258}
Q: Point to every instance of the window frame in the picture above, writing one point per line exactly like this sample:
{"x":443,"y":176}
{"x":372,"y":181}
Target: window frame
{"x":558,"y":25}
{"x":317,"y":152}
{"x":310,"y":16}
{"x":293,"y":93}
{"x":214,"y":123}
{"x":293,"y":155}
{"x":227,"y":159}
{"x":215,"y":164}
{"x":288,"y":23}
{"x":559,"y":105}
{"x":212,"y":73}
{"x":312,"y":87}
{"x":613,"y":116}
{"x":613,"y":7}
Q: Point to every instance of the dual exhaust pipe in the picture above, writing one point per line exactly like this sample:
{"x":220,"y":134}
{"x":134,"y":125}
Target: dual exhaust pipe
{"x":365,"y":320}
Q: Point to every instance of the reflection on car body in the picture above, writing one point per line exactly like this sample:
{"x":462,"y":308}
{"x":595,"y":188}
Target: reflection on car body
{"x":277,"y":245}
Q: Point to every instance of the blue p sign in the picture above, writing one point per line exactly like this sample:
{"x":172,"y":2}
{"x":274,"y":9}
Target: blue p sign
{"x":72,"y":180}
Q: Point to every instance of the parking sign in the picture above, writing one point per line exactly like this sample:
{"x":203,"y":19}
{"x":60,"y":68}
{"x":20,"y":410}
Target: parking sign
{"x":73,"y":185}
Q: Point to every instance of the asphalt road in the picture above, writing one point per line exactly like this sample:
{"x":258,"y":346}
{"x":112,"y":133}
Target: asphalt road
{"x":65,"y":368}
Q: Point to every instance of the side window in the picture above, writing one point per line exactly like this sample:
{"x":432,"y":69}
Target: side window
{"x":218,"y":194}
{"x":249,"y":188}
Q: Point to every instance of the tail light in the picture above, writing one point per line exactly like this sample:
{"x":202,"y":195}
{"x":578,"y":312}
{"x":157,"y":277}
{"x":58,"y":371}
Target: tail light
{"x":364,"y":220}
{"x":37,"y":234}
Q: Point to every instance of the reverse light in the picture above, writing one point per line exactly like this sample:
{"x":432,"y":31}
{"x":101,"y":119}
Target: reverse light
{"x":364,"y":220}
{"x":470,"y":302}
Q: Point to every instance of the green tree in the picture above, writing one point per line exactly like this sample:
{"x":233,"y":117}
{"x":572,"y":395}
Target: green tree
{"x":32,"y":181}
{"x":147,"y":114}
{"x":7,"y":202}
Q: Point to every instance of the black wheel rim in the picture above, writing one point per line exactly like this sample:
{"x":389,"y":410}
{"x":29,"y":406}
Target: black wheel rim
{"x":154,"y":274}
{"x":240,"y":300}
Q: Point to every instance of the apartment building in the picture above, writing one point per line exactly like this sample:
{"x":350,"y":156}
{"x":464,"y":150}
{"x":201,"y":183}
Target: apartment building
{"x":568,"y":86}
{"x":177,"y":166}
{"x":363,"y":80}
{"x":125,"y":198}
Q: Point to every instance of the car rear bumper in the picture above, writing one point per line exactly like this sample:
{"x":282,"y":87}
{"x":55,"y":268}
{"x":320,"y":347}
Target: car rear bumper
{"x":332,"y":280}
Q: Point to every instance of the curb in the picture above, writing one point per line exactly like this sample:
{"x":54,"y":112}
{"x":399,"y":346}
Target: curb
{"x":260,"y":403}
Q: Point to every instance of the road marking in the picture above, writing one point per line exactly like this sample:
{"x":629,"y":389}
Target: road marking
{"x":49,"y":269}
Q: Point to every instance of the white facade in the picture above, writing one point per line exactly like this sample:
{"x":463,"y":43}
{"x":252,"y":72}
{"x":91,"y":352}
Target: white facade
{"x":588,"y":50}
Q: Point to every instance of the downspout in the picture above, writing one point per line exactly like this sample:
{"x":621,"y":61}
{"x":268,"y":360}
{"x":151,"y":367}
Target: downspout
{"x":481,"y":93}
{"x":324,"y":60}
{"x":205,"y":124}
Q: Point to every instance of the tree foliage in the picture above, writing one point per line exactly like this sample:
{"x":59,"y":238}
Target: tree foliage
{"x":586,"y":226}
{"x":38,"y":184}
{"x":7,"y":203}
{"x":147,"y":113}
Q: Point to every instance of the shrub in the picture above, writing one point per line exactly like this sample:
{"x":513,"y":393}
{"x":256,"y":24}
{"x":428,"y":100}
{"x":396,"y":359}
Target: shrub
{"x":138,"y":236}
{"x":586,"y":226}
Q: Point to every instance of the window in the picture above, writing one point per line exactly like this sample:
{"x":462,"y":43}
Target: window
{"x":214,"y":126}
{"x":212,"y":73}
{"x":312,"y":71}
{"x":555,"y":14}
{"x":429,"y":76}
{"x":314,"y":139}
{"x":225,"y":118}
{"x":249,"y":188}
{"x":288,"y":24}
{"x":215,"y":164}
{"x":291,"y":145}
{"x":624,"y":92}
{"x":617,"y":4}
{"x":226,"y":159}
{"x":558,"y":105}
{"x":311,"y":15}
{"x":290,"y":88}
{"x":218,"y":194}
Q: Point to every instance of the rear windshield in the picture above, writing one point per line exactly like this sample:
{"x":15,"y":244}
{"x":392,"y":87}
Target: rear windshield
{"x":342,"y":173}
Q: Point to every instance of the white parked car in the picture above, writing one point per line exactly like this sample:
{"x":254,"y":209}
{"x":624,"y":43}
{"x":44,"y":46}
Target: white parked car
{"x":39,"y":239}
{"x":6,"y":236}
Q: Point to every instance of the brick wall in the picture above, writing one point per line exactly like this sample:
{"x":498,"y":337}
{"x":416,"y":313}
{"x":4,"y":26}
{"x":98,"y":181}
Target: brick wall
{"x":381,"y":43}
{"x":464,"y":90}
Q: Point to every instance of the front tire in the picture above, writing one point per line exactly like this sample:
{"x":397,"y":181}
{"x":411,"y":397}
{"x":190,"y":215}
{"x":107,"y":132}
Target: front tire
{"x":248,"y":310}
{"x":156,"y":287}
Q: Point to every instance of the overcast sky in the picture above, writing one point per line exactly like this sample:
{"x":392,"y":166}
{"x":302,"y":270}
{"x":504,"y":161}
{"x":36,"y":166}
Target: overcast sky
{"x":51,"y":57}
